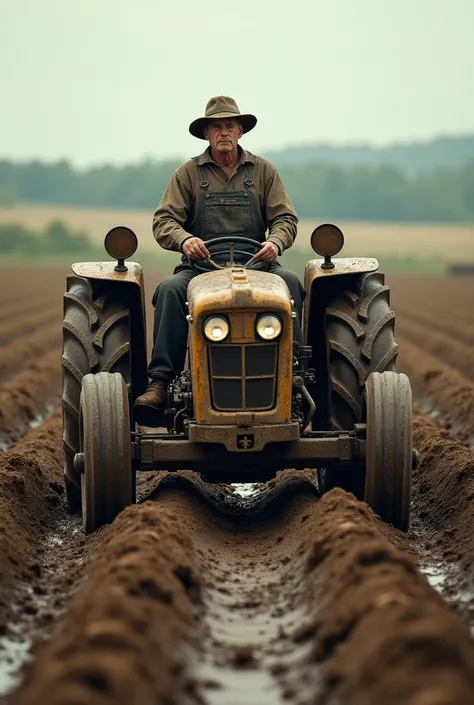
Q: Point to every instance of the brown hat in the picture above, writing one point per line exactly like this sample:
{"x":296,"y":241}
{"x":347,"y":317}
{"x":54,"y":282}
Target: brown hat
{"x":221,"y":106}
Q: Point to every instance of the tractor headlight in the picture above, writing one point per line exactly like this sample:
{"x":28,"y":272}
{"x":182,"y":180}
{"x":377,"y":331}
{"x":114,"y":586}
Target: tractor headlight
{"x":268,"y":326}
{"x":216,"y":328}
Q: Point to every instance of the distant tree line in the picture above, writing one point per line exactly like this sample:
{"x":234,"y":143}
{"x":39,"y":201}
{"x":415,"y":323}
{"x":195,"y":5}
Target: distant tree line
{"x":319,"y":191}
{"x":411,"y":158}
{"x":382,"y":194}
{"x":57,"y":239}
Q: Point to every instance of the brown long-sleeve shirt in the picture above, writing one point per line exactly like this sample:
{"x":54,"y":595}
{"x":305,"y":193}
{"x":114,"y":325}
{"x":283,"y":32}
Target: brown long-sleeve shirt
{"x":175,"y":217}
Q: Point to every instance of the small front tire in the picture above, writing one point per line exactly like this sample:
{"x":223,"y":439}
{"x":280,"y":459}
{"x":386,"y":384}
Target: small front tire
{"x":107,"y":478}
{"x":389,"y":452}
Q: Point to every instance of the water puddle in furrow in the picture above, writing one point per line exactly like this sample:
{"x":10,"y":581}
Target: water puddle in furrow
{"x":14,"y":652}
{"x":441,"y":577}
{"x":239,"y":667}
{"x":431,"y":412}
{"x":44,"y":416}
{"x":16,"y":642}
{"x":34,"y":423}
{"x":247,"y":490}
{"x":251,"y":613}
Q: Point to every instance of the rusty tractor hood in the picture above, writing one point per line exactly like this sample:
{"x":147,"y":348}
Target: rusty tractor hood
{"x":237,"y":288}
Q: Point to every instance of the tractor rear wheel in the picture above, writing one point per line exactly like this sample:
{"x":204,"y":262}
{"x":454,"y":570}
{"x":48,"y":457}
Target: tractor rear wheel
{"x":96,"y":336}
{"x":107,"y":477}
{"x":389,"y":453}
{"x":361,"y":340}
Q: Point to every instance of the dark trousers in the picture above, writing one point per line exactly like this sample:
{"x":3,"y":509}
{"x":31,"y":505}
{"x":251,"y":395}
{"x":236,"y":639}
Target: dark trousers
{"x":170,"y":329}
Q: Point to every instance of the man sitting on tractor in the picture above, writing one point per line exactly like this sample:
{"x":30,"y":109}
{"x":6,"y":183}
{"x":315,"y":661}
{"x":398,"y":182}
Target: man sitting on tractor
{"x":224,"y":191}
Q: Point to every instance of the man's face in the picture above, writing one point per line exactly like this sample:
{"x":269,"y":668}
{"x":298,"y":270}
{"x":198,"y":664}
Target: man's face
{"x":223,"y":134}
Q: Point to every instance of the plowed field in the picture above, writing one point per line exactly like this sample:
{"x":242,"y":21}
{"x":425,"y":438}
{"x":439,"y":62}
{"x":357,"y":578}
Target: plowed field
{"x":225,"y":595}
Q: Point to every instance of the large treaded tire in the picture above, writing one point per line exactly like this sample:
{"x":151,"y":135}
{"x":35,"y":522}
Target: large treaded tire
{"x":107,"y":480}
{"x":389,"y":448}
{"x":361,"y":339}
{"x":96,"y":337}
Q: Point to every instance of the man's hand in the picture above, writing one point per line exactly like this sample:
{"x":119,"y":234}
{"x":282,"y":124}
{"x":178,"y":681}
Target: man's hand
{"x":268,"y":253}
{"x":195,"y":248}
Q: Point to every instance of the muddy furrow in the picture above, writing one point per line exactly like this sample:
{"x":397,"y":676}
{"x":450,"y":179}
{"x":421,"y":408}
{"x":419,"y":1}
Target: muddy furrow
{"x":457,"y":330}
{"x":423,"y":302}
{"x":19,"y":301}
{"x":28,"y":304}
{"x":31,"y":482}
{"x":34,"y":526}
{"x":439,"y":390}
{"x":30,"y":321}
{"x":450,"y":350}
{"x":200,"y":595}
{"x":127,"y":634}
{"x":29,"y":396}
{"x":22,"y":352}
{"x":443,"y":499}
{"x":23,"y":288}
{"x":446,"y":296}
{"x":287,"y":599}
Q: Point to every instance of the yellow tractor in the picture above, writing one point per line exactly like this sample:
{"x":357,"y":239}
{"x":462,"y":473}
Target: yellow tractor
{"x":249,"y":403}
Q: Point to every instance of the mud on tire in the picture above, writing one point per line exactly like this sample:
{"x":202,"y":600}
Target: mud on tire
{"x":96,"y":337}
{"x":389,"y":447}
{"x":107,"y":480}
{"x":361,"y":340}
{"x":360,"y":337}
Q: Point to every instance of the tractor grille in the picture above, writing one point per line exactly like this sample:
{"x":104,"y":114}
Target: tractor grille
{"x":243,"y":377}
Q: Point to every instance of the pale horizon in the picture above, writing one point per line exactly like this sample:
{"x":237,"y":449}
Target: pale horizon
{"x":153,"y":158}
{"x":114,"y":83}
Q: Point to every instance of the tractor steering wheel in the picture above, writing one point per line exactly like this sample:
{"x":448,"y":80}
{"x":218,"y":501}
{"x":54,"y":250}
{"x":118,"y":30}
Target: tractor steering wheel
{"x":199,"y":266}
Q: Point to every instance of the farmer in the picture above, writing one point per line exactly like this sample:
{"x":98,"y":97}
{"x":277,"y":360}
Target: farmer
{"x":224,"y":190}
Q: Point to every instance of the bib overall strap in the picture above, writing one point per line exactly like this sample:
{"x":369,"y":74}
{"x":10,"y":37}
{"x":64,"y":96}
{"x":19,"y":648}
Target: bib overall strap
{"x":248,"y":181}
{"x":203,"y":182}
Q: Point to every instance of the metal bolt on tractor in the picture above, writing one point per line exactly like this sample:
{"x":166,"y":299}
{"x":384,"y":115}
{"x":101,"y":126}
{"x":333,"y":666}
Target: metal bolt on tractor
{"x":249,"y":404}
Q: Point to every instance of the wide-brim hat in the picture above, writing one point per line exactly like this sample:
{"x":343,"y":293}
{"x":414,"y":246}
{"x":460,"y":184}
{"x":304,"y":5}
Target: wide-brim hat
{"x":221,"y":106}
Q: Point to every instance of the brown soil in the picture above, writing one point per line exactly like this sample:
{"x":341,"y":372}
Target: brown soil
{"x":28,"y":395}
{"x":119,"y":640}
{"x":454,"y":327}
{"x":200,"y":595}
{"x":450,"y":350}
{"x":28,"y":349}
{"x":449,"y":297}
{"x":439,"y":390}
{"x":46,"y":315}
{"x":30,"y":503}
{"x":443,"y":487}
{"x":188,"y":601}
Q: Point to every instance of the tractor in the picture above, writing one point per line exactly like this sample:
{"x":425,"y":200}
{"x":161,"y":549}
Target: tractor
{"x":248,"y":403}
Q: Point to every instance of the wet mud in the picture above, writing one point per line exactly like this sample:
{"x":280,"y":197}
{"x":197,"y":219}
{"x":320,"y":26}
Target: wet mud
{"x":188,"y":602}
{"x":222,"y":594}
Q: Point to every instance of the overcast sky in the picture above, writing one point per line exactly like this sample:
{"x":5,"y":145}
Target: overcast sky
{"x":115,"y":81}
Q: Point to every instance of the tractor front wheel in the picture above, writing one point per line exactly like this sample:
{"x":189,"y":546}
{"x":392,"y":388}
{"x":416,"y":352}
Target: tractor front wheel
{"x":389,"y":453}
{"x":105,"y":462}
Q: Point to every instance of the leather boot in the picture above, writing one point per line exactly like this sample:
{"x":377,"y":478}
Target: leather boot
{"x":147,"y":407}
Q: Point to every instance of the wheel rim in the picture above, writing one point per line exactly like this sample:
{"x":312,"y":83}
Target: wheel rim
{"x":389,"y":447}
{"x":107,"y":483}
